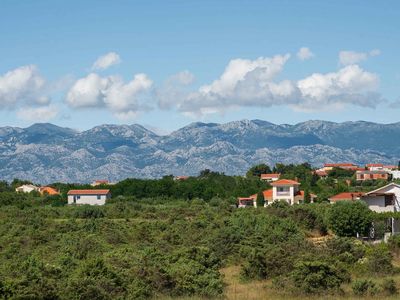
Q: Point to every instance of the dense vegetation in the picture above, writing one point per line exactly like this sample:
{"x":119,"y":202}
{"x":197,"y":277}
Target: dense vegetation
{"x":166,"y":238}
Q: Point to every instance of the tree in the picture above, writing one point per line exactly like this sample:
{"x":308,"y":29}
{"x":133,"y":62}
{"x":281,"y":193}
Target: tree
{"x":307,"y":197}
{"x":258,"y":170}
{"x":313,"y":277}
{"x":260,"y":199}
{"x":349,"y":218}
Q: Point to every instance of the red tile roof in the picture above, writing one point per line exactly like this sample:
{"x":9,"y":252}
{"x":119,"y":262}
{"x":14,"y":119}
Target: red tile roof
{"x":374,"y":165}
{"x":88,"y":192}
{"x":302,"y":193}
{"x":346,"y":196}
{"x":285,"y":182}
{"x":321,"y":173}
{"x":48,"y":190}
{"x":340,"y":165}
{"x":270,"y":175}
{"x":390,"y":167}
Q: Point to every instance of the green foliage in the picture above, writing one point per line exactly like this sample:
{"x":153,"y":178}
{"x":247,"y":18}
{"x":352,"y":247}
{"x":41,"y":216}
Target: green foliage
{"x":349,"y":218}
{"x":379,"y":260}
{"x":389,"y":287}
{"x":340,"y":173}
{"x":364,"y":287}
{"x":260,"y":199}
{"x":89,"y":212}
{"x":346,"y":250}
{"x":313,"y":277}
{"x":257,"y":170}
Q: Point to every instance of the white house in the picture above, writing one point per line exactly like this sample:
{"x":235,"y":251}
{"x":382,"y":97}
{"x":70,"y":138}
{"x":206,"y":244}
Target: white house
{"x":395,"y":174}
{"x":282,"y":190}
{"x":247,"y":202}
{"x":92,"y":197}
{"x":27,"y":188}
{"x":384,"y":199}
{"x":270,"y":177}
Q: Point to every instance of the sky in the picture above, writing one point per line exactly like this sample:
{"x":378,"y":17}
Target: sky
{"x":165,"y":64}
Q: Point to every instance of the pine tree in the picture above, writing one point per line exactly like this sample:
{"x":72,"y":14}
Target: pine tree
{"x":260,"y":199}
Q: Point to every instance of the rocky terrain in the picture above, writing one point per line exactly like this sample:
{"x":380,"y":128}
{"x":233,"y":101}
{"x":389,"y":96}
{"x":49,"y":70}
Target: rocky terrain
{"x":47,"y":153}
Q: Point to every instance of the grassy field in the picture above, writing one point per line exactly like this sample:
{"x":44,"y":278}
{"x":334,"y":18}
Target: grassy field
{"x":257,"y":290}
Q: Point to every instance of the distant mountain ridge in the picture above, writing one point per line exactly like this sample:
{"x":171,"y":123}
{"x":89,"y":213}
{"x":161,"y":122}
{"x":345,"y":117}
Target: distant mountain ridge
{"x":48,"y":153}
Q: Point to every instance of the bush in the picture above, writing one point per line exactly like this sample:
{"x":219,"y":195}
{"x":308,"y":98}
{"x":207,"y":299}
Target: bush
{"x":364,"y":287}
{"x":254,"y":266}
{"x":349,"y":218}
{"x":379,"y":260}
{"x":346,"y":250}
{"x":313,"y":277}
{"x":89,"y":212}
{"x":389,"y":287}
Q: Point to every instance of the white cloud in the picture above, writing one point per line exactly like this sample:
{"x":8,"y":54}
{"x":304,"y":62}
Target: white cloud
{"x":352,"y":57}
{"x":110,"y":92}
{"x":38,"y":114}
{"x":246,"y":83}
{"x":350,"y":85}
{"x":173,"y":89}
{"x":22,"y":85}
{"x":106,"y":61}
{"x":304,"y":53}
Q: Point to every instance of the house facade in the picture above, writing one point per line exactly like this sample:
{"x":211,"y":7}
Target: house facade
{"x":100,"y":182}
{"x":27,"y":188}
{"x":282,"y":190}
{"x":91,"y":197}
{"x":346,"y":166}
{"x":371,"y":175}
{"x":47,"y":190}
{"x":384,"y":199}
{"x":270,"y":177}
{"x":247,"y":202}
{"x":346,"y":197}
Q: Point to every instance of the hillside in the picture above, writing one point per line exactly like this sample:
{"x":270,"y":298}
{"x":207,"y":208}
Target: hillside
{"x":48,"y":153}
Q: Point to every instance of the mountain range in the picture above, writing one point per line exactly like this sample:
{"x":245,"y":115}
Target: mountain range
{"x":47,"y":153}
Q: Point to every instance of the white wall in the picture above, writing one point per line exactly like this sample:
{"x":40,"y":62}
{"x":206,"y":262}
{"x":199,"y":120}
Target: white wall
{"x":395,"y":174}
{"x":377,"y":203}
{"x":87,"y":199}
{"x":288,"y":198}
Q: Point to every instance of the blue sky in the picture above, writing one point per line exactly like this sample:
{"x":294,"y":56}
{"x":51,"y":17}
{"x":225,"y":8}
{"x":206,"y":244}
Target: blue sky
{"x":164,"y":64}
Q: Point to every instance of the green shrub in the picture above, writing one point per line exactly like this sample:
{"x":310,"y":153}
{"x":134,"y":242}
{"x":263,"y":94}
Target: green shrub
{"x":89,"y":212}
{"x":254,"y":266}
{"x":313,"y":277}
{"x":379,"y":260}
{"x":347,"y":250}
{"x":349,"y":218}
{"x":389,"y":287}
{"x":364,"y":287}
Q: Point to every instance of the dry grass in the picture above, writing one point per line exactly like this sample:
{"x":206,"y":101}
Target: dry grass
{"x":257,"y":290}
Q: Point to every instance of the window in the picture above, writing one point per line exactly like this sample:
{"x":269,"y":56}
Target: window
{"x":389,"y":200}
{"x":98,"y":197}
{"x":78,"y":197}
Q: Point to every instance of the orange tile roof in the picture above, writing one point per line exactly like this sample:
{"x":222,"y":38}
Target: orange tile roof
{"x":270,"y":175}
{"x":48,"y":190}
{"x":321,"y":173}
{"x":390,"y":167}
{"x":346,"y":196}
{"x":285,"y":182}
{"x":374,"y":165}
{"x":267,"y":193}
{"x":88,"y":192}
{"x":340,"y":165}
